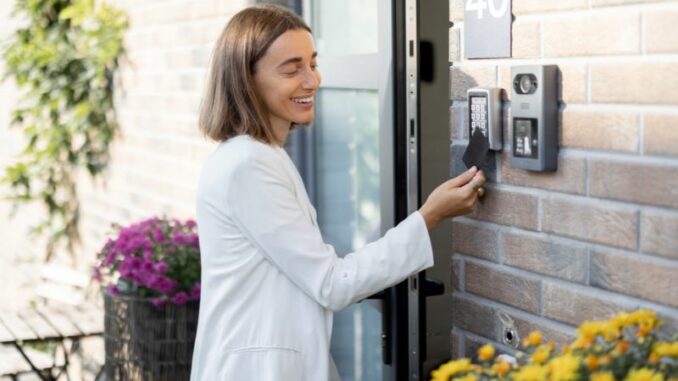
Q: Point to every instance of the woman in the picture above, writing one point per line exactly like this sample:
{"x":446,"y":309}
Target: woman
{"x":269,"y":283}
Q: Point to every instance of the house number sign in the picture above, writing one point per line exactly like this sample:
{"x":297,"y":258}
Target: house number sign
{"x":487,"y":29}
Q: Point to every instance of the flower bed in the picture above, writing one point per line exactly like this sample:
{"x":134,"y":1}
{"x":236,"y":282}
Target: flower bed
{"x":626,"y":347}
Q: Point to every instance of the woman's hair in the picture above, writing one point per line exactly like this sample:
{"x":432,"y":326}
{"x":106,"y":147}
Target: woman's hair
{"x":231,"y":105}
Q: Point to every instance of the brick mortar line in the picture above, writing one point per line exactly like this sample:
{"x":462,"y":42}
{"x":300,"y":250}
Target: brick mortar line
{"x":622,"y":108}
{"x":627,"y":302}
{"x":542,"y":320}
{"x":568,"y":241}
{"x":161,"y":158}
{"x":162,"y":27}
{"x":579,"y":199}
{"x":517,"y":271}
{"x":639,"y":234}
{"x":643,"y":34}
{"x":609,"y":59}
{"x":567,"y":14}
{"x":618,"y":157}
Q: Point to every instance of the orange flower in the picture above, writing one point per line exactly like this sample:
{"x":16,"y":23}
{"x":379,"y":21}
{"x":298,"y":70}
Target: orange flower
{"x":643,"y":330}
{"x":653,"y":358}
{"x":592,"y":362}
{"x":622,"y":346}
{"x":501,"y":368}
{"x":605,"y":360}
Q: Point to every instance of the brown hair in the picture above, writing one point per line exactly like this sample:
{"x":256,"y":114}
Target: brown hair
{"x":231,"y":105}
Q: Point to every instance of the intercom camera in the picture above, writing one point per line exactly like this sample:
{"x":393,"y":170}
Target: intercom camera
{"x":534,"y":117}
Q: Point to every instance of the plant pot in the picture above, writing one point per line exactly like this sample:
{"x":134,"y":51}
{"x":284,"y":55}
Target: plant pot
{"x":145,"y":342}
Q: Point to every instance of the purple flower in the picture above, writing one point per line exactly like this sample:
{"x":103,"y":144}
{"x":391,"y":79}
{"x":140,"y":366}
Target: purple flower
{"x":191,"y":224}
{"x":179,"y":239}
{"x":195,"y":291}
{"x":180,"y":298}
{"x":161,"y":267}
{"x":96,"y":274}
{"x":113,"y":290}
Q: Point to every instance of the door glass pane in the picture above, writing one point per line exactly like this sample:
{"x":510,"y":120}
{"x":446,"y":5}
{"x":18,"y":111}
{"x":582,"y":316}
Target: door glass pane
{"x":345,"y":27}
{"x":346,"y":143}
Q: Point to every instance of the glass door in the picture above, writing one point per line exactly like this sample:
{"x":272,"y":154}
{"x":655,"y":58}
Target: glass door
{"x":348,"y":154}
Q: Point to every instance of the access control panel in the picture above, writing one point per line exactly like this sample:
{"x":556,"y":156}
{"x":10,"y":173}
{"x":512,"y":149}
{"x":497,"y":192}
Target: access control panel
{"x":484,"y":108}
{"x":534,"y":117}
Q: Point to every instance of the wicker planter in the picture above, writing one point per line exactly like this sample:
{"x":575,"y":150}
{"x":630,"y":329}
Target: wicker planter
{"x":144,"y":342}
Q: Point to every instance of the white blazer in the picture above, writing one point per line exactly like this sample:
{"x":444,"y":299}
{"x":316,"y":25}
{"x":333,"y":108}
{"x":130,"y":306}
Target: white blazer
{"x":270,"y":284}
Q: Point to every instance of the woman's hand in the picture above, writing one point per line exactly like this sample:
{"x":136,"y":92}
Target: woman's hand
{"x":454,"y":197}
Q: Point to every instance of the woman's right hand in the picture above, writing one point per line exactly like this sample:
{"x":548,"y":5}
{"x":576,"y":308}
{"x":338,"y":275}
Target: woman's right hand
{"x":455,"y":197}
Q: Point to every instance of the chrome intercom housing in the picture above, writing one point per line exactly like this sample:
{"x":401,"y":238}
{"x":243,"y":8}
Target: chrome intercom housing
{"x":484,"y":112}
{"x":534,"y":117}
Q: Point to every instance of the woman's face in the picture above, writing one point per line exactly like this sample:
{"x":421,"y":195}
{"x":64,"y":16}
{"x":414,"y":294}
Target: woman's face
{"x":286,"y":78}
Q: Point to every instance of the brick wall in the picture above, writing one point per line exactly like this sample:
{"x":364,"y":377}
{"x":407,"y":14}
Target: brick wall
{"x":156,"y":160}
{"x":551,"y":250}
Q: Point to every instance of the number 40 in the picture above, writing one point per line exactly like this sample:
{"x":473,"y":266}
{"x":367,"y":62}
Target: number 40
{"x":481,"y":5}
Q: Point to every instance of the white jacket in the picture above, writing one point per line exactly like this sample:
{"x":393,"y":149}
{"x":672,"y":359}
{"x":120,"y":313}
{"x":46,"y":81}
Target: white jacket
{"x":269,"y":282}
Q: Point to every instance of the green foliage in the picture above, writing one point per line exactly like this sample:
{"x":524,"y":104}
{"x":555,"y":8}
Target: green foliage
{"x":63,"y":59}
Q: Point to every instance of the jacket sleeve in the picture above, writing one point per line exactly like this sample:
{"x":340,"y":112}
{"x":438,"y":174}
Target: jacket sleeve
{"x":263,"y":204}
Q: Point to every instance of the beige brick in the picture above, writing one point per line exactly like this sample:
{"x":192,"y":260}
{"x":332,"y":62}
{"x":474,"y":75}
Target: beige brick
{"x":572,"y":82}
{"x":536,"y":6}
{"x":573,"y":306}
{"x":457,"y":10}
{"x":457,"y":273}
{"x":455,"y":344}
{"x":604,"y":3}
{"x":659,"y":25}
{"x":508,"y":208}
{"x":502,"y":287}
{"x":464,"y":77}
{"x":545,"y":257}
{"x":637,"y":82}
{"x":635,"y":182}
{"x":609,"y":34}
{"x":587,"y":220}
{"x":473,"y":316}
{"x":660,"y":134}
{"x":636,"y":276}
{"x":570,"y":176}
{"x":659,"y":234}
{"x":454,"y":123}
{"x":474,"y":240}
{"x":526,"y":40}
{"x":455,"y":45}
{"x":615,"y":131}
{"x":559,"y":337}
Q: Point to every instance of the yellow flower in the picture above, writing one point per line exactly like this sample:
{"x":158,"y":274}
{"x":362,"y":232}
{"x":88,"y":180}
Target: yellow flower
{"x":533,"y":339}
{"x":643,"y":317}
{"x":501,"y":368}
{"x":564,"y":367}
{"x":602,"y":376}
{"x":449,"y":369}
{"x":540,"y":355}
{"x":486,"y":352}
{"x":643,"y":374}
{"x":663,"y":348}
{"x":588,"y":330}
{"x":530,"y":373}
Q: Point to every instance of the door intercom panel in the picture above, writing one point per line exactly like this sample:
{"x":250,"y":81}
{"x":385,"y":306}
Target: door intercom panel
{"x":484,"y":113}
{"x":534,"y":117}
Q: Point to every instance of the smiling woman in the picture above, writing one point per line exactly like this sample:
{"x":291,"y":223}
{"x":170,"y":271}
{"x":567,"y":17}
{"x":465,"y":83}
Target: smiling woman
{"x":269,"y":283}
{"x":287,"y":77}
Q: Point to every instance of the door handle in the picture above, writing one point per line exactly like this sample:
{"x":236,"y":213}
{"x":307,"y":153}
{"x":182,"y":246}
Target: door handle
{"x":433,"y":287}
